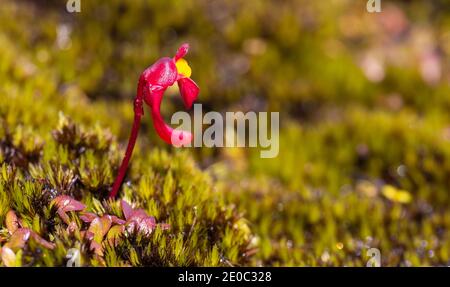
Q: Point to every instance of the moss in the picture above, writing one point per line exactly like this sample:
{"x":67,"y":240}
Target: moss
{"x":170,"y":188}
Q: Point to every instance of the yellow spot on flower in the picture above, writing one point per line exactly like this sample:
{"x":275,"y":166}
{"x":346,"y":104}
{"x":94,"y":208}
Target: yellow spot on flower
{"x":396,"y":195}
{"x":183,"y":68}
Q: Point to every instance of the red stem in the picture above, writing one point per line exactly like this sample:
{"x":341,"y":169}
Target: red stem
{"x":138,"y":112}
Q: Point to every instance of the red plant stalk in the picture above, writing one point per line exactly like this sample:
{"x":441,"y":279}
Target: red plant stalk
{"x":138,"y":113}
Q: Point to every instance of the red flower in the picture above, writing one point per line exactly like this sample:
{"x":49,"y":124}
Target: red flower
{"x":153,"y":82}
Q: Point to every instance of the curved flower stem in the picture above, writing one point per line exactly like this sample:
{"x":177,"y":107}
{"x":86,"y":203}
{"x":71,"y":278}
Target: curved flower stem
{"x":138,"y":112}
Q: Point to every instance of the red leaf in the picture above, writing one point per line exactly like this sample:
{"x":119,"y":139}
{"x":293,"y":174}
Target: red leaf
{"x":88,"y":216}
{"x":126,"y":208}
{"x":8,"y":257}
{"x":41,"y":241}
{"x":19,"y":238}
{"x":12,"y":222}
{"x":67,"y":203}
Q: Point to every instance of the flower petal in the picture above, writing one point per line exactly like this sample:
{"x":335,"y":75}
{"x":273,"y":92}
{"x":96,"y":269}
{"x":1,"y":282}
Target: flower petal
{"x":183,"y":68}
{"x":180,"y":138}
{"x":165,"y":132}
{"x":162,"y":73}
{"x":182,"y":51}
{"x":189,"y":91}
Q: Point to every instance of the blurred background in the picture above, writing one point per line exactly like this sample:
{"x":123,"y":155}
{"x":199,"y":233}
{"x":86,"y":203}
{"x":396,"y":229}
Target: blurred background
{"x":364,"y":102}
